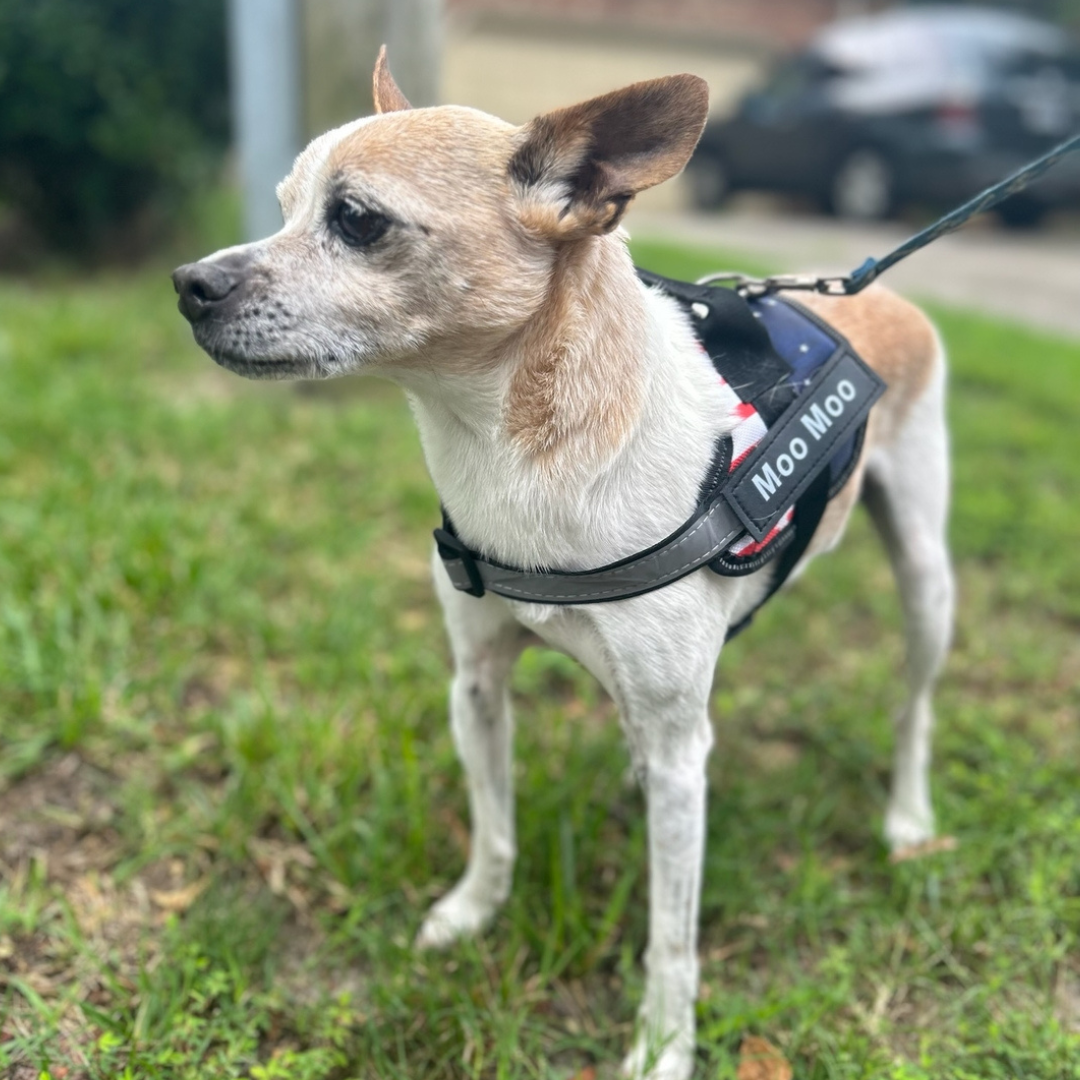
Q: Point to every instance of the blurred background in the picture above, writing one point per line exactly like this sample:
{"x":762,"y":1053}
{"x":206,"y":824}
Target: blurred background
{"x":127,"y":126}
{"x":227,"y":787}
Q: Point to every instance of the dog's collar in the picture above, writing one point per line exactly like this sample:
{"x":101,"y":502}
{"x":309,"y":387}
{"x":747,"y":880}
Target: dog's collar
{"x":766,"y":488}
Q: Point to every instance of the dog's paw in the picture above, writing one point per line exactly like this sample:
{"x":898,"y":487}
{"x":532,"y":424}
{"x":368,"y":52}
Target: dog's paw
{"x":456,"y":915}
{"x":905,"y":830}
{"x":672,"y":1061}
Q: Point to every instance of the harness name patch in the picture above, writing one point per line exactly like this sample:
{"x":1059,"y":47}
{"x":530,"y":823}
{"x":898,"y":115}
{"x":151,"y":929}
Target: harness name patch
{"x":795,"y":449}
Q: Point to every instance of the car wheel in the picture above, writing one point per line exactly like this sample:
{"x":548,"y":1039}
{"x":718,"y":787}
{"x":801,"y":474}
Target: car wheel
{"x":863,"y":188}
{"x":710,"y":184}
{"x":1020,"y":212}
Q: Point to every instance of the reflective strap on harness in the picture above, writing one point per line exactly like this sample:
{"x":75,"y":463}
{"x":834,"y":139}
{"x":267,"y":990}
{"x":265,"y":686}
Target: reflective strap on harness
{"x":700,"y":539}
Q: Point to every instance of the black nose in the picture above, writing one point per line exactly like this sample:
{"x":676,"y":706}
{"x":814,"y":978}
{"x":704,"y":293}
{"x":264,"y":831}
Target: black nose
{"x":202,"y":286}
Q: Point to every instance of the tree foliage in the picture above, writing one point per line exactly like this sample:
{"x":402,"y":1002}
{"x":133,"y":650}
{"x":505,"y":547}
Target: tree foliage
{"x":107,"y":107}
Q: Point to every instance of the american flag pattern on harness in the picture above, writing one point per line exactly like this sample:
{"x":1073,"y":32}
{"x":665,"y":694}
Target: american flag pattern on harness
{"x":746,"y":431}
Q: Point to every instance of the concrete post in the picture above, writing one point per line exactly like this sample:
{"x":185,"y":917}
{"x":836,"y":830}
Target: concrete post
{"x":414,"y":47}
{"x":264,"y":51}
{"x":341,"y":40}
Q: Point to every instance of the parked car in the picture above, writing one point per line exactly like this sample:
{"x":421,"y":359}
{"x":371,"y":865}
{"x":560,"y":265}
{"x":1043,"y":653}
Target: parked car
{"x":927,"y":105}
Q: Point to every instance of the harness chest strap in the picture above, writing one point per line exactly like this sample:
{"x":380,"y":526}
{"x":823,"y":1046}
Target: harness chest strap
{"x":702,"y":538}
{"x":795,"y":452}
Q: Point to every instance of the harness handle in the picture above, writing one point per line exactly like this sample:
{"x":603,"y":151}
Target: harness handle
{"x":869,"y":271}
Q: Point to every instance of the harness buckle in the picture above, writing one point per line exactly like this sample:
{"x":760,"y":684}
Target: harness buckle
{"x":451,"y":548}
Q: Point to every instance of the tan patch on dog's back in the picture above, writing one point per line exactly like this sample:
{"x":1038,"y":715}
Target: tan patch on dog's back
{"x":893,"y":336}
{"x":898,"y":341}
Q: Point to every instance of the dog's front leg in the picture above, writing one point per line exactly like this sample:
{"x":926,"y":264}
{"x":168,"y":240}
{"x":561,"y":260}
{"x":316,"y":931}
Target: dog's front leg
{"x":670,"y":744}
{"x":485,"y":641}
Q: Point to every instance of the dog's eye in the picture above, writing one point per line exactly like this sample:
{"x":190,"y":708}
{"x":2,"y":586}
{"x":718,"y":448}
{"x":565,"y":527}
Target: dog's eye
{"x":359,"y":227}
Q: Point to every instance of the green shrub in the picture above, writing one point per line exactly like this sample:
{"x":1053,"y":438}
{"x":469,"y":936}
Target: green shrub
{"x":108,"y":109}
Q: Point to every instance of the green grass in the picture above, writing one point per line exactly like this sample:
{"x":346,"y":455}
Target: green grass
{"x":227,"y":790}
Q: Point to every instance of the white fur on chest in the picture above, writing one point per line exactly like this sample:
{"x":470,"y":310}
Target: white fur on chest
{"x":575,"y":512}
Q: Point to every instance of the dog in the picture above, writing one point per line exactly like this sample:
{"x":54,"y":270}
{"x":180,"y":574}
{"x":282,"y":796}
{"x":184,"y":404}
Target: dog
{"x":567,"y":416}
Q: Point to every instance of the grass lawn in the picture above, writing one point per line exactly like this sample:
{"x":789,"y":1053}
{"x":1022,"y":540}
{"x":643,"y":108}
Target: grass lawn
{"x":228,"y":792}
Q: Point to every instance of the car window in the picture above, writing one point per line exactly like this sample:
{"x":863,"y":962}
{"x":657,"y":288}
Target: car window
{"x":1032,"y":63}
{"x":798,"y":75}
{"x":1045,"y":91}
{"x":994,"y":53}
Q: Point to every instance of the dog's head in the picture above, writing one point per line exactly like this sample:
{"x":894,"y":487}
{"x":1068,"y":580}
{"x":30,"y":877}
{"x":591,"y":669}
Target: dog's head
{"x":421,"y":235}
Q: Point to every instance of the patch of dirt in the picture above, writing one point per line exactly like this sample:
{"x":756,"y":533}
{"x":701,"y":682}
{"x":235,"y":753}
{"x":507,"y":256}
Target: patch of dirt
{"x":217,"y":676}
{"x":56,"y":829}
{"x":773,"y":754}
{"x":1067,"y":1000}
{"x":23,"y":1072}
{"x":59,"y":817}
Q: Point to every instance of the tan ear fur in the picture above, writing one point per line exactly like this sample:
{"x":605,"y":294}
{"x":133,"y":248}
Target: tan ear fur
{"x":576,"y":169}
{"x":388,"y":98}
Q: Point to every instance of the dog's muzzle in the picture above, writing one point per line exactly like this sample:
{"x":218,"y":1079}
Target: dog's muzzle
{"x":205,"y":287}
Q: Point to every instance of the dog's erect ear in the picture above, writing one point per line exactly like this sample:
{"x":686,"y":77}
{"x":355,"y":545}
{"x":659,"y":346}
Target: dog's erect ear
{"x":388,"y":98}
{"x":576,"y":169}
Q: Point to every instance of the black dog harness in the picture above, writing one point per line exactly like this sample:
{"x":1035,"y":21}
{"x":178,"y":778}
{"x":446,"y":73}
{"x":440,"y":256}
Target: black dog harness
{"x":797,"y":398}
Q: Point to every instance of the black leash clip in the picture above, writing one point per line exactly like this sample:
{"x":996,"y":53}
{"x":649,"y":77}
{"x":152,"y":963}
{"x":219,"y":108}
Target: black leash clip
{"x":754,"y":288}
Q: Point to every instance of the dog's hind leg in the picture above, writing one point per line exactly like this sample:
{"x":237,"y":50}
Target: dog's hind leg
{"x":907,"y":493}
{"x":485,"y":640}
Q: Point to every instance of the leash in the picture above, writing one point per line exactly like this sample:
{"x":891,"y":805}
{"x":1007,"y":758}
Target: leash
{"x":870,"y":270}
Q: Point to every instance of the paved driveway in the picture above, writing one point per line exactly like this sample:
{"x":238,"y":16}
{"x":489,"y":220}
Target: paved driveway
{"x":1032,"y":278}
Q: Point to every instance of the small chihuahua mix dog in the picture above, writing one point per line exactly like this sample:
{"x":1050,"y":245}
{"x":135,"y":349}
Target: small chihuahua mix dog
{"x":568,"y":415}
